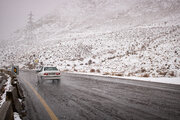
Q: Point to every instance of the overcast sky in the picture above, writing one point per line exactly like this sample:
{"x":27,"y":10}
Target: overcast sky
{"x":14,"y":13}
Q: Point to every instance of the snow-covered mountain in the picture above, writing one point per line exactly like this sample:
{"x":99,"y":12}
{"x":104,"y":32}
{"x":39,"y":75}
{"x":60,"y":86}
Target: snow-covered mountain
{"x":117,"y":37}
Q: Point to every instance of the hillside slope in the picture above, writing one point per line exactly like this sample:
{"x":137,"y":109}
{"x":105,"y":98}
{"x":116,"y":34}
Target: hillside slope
{"x":117,"y":37}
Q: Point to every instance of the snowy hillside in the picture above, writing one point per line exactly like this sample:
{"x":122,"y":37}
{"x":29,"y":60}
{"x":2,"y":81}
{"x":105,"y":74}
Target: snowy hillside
{"x":116,"y":37}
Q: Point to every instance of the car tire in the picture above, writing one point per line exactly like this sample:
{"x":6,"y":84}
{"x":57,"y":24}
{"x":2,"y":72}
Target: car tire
{"x":39,"y":79}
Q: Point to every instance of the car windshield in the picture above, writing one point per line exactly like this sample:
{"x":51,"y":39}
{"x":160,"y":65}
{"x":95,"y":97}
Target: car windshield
{"x":50,"y":69}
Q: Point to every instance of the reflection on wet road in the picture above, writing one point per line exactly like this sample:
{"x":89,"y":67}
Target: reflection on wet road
{"x":83,"y":97}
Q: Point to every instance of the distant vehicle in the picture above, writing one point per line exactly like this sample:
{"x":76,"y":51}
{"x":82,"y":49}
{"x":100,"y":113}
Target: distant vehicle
{"x":48,"y":73}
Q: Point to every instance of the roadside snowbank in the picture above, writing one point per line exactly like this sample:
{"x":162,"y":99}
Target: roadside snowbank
{"x":175,"y":80}
{"x":16,"y":116}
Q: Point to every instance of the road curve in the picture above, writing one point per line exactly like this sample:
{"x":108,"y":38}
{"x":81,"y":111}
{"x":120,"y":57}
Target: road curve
{"x":86,"y":97}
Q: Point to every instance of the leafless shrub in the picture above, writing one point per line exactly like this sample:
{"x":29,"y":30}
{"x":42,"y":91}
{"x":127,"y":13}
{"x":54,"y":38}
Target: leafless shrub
{"x":41,"y":63}
{"x":73,"y":59}
{"x":119,"y":74}
{"x":81,"y":59}
{"x":89,"y":62}
{"x":145,"y":75}
{"x":92,"y":70}
{"x":109,"y":58}
{"x":143,"y":70}
{"x":112,"y":51}
{"x":172,"y":74}
{"x":94,"y":57}
{"x":98,"y":71}
{"x":103,"y":61}
{"x":128,"y":74}
{"x":162,"y":73}
{"x":113,"y":73}
{"x":106,"y":73}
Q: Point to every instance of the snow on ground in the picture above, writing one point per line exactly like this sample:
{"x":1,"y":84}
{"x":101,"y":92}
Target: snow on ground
{"x":131,"y":52}
{"x":7,"y":87}
{"x":140,"y":40}
{"x":16,"y":116}
{"x":175,"y":80}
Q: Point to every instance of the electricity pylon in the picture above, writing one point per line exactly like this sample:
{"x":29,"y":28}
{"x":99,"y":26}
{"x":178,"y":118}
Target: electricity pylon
{"x":30,"y":36}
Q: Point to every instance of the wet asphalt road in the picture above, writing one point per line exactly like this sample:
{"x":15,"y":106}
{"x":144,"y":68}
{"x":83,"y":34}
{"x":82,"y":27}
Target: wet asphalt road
{"x":85,"y":97}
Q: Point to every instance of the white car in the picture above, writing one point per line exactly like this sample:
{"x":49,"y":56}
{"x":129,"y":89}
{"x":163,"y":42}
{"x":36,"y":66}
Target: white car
{"x":48,"y":73}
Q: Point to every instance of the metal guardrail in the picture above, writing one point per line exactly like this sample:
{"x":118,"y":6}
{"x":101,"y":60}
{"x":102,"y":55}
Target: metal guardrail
{"x":6,"y":111}
{"x":12,"y":104}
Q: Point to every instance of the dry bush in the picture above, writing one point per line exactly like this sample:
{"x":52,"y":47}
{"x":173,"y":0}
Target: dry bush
{"x":73,"y":59}
{"x":172,"y":74}
{"x":94,"y":57}
{"x":109,"y":58}
{"x":90,"y":62}
{"x":130,"y":74}
{"x":119,"y":74}
{"x":81,"y":59}
{"x":98,"y":71}
{"x":143,"y":70}
{"x":103,"y":61}
{"x":162,"y":73}
{"x":106,"y":73}
{"x":113,"y":73}
{"x":112,"y":51}
{"x":145,"y":75}
{"x":75,"y":70}
{"x":92,"y":70}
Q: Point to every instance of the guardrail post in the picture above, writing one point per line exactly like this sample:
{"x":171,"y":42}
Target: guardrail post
{"x":9,"y":97}
{"x":12,"y":103}
{"x":12,"y":95}
{"x":15,"y":83}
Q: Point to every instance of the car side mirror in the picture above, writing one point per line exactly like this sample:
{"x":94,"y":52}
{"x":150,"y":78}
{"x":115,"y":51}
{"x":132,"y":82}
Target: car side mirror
{"x":37,"y":71}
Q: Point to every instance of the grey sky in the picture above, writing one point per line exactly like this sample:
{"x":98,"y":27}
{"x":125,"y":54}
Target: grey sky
{"x":13,"y":13}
